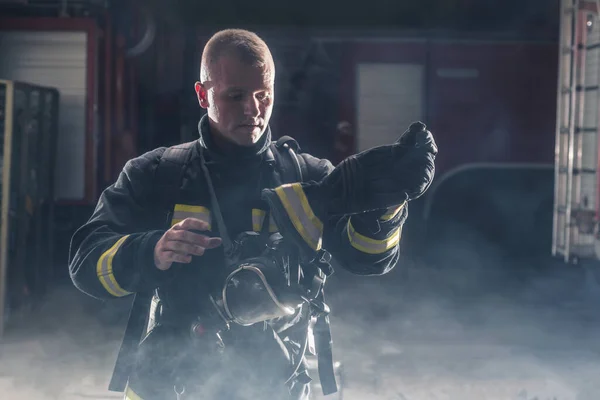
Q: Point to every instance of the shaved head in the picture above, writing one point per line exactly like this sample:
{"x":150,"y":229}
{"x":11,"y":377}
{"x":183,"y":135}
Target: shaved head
{"x":245,"y":46}
{"x":237,"y":79}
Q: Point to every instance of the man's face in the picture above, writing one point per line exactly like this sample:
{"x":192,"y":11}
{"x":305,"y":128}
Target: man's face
{"x":239,"y":100}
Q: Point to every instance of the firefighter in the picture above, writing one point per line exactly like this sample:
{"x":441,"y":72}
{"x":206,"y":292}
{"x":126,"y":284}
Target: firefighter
{"x":165,"y":232}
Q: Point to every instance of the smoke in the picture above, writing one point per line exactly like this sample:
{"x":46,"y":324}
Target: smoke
{"x":481,"y":312}
{"x":59,"y":351}
{"x":422,"y":332}
{"x":463,"y":333}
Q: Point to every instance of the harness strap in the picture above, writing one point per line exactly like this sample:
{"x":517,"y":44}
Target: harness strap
{"x":171,"y":165}
{"x":322,"y":328}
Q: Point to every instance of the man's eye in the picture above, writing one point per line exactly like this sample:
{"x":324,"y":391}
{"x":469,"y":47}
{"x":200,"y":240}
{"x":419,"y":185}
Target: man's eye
{"x":236,"y":96}
{"x":262,"y":96}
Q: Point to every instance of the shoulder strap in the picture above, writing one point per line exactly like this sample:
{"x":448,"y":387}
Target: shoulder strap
{"x":292,"y":167}
{"x":168,"y":176}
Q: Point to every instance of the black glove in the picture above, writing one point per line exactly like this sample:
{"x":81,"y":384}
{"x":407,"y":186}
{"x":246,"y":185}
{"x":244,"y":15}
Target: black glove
{"x":383,"y":176}
{"x":377,"y":178}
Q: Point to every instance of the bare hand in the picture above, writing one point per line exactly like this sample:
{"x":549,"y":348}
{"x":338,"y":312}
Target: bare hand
{"x":179,"y":244}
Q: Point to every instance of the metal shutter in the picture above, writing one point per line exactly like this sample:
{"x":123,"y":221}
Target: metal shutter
{"x":55,"y":59}
{"x":389,"y":98}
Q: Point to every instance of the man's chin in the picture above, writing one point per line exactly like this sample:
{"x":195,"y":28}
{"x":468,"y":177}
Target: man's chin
{"x":248,"y":137}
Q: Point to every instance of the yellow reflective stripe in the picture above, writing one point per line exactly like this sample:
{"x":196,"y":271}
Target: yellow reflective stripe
{"x":258,"y":218}
{"x":305,"y":221}
{"x":369,"y":245}
{"x":392,"y":212}
{"x":104,"y":270}
{"x":183,"y":211}
{"x":272,"y":225}
{"x":131,"y":395}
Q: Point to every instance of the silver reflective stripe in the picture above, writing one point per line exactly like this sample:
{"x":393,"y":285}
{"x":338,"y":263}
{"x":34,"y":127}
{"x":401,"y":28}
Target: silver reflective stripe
{"x":104,"y":270}
{"x":183,"y":211}
{"x":372,"y":246}
{"x":258,"y":218}
{"x":305,"y":221}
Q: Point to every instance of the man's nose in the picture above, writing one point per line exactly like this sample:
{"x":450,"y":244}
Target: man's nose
{"x":252,"y":107}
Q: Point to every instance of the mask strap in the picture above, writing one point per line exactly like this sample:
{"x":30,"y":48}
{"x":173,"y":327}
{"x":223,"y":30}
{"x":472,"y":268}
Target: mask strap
{"x":227,"y":245}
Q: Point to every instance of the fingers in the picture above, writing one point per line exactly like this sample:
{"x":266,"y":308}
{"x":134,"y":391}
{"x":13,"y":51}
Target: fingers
{"x":164,"y":259}
{"x":425,"y":139}
{"x":192,"y":224}
{"x":417,"y":126}
{"x":171,"y":257}
{"x":418,"y":136}
{"x":189,"y":243}
{"x":179,"y":243}
{"x":193,"y":238}
{"x":183,"y":248}
{"x":213,"y":242}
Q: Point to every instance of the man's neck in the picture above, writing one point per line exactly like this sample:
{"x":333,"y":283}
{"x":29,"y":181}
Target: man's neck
{"x":224,"y":145}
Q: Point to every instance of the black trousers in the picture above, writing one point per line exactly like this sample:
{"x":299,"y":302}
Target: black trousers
{"x":169,"y":362}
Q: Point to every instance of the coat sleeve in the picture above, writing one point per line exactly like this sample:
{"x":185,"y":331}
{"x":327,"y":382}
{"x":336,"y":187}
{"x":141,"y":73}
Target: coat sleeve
{"x":365,"y":244}
{"x":112,"y":255}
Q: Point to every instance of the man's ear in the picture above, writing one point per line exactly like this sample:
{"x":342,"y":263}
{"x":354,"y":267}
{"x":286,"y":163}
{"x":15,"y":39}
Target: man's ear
{"x":202,"y":94}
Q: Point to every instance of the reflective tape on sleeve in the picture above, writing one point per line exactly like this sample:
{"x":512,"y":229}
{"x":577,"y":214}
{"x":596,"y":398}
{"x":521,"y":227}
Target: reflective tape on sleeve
{"x":131,"y":395}
{"x":392,"y":212}
{"x":258,"y":218}
{"x":372,"y":246}
{"x":104,"y":270}
{"x":183,"y":211}
{"x":302,"y":216}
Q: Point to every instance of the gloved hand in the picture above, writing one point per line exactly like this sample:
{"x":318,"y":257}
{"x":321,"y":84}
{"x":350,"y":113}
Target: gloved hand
{"x":377,"y":178}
